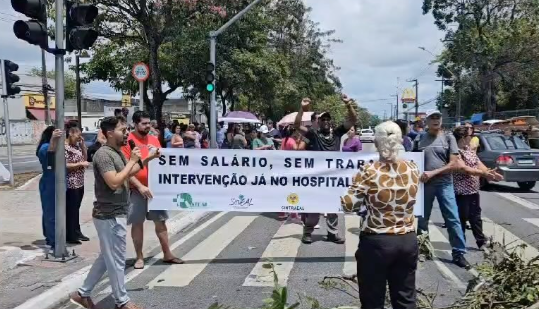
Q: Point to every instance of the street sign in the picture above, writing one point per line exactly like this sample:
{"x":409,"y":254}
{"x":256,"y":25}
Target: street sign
{"x":140,"y":71}
{"x":126,"y":100}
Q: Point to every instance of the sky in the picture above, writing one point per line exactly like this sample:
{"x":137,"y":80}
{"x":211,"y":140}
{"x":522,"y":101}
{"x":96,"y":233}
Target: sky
{"x":379,"y":53}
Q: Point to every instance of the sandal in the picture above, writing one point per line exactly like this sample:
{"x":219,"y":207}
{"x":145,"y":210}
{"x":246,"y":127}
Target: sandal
{"x":173,"y":261}
{"x":139,"y":264}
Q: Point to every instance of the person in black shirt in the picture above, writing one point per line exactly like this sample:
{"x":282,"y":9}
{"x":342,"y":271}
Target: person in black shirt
{"x":322,"y":138}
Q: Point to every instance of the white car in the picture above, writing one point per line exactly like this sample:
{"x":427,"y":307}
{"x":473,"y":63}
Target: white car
{"x":367,"y":136}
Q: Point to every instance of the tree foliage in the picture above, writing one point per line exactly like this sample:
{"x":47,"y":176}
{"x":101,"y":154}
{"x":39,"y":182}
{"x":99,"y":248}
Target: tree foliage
{"x":70,"y":85}
{"x":266,"y":62}
{"x":492,"y":46}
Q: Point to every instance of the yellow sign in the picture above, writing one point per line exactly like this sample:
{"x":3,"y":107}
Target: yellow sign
{"x":37,"y":101}
{"x":126,"y":100}
{"x":292,"y":199}
{"x":408,"y":96}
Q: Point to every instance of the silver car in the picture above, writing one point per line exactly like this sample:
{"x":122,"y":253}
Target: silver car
{"x":512,"y":157}
{"x":367,"y":136}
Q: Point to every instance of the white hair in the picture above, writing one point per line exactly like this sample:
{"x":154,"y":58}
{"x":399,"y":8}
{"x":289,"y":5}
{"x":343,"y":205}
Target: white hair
{"x":388,"y":140}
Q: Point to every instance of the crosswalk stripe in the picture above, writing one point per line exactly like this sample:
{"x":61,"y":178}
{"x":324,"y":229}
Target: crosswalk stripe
{"x":199,"y":257}
{"x":534,"y":221}
{"x":437,"y":236}
{"x":352,"y":223}
{"x":134,"y":273}
{"x":284,"y":245}
{"x":502,"y":235}
{"x":518,"y":200}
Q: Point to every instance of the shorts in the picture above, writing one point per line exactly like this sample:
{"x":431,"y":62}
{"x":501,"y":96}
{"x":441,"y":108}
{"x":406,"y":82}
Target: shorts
{"x":137,"y":210}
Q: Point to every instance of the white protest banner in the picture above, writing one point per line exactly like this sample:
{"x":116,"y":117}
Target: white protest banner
{"x":257,"y":181}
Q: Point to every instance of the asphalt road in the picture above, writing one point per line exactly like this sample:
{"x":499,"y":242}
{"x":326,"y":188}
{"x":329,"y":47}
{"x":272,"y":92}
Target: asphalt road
{"x":226,"y":256}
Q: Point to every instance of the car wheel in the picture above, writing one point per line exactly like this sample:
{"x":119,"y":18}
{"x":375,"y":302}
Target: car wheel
{"x":526,"y":185}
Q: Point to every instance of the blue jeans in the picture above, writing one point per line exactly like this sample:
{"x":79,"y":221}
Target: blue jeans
{"x":448,"y":206}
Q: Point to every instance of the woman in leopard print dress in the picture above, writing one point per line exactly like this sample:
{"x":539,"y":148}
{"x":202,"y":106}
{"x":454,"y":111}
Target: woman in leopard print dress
{"x":387,"y":251}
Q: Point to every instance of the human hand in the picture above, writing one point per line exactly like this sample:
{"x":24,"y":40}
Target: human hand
{"x":154,"y":152}
{"x":346,"y":99}
{"x":145,"y":192}
{"x":426,"y":176}
{"x":135,"y":155}
{"x":305,"y":104}
{"x":85,"y":164}
{"x":56,"y":134}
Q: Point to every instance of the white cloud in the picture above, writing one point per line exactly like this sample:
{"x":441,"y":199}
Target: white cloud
{"x":381,"y":40}
{"x":380,"y":43}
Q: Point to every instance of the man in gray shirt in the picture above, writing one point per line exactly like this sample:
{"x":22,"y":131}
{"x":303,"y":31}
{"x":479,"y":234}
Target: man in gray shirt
{"x":111,"y":173}
{"x":441,"y":158}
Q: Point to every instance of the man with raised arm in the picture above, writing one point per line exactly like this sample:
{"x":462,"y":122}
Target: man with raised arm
{"x":321,"y":138}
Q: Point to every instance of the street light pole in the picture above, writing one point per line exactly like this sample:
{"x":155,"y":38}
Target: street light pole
{"x":212,"y":38}
{"x":397,"y":111}
{"x":60,"y":251}
{"x":77,"y":76}
{"x":45,"y":90}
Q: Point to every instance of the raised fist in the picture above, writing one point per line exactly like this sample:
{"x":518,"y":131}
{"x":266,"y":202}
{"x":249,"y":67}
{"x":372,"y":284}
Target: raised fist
{"x":305,"y":103}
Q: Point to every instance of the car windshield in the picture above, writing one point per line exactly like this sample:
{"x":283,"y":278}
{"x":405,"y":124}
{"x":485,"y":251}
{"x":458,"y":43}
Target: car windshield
{"x":500,"y":142}
{"x":367,"y":131}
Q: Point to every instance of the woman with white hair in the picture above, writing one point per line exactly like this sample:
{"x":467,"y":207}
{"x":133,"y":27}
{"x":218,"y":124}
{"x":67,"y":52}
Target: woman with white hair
{"x":387,"y":251}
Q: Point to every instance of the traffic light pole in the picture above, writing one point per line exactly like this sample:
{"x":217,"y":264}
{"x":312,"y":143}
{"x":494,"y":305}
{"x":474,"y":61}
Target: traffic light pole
{"x":60,"y":251}
{"x":45,"y":89}
{"x":212,"y":37}
{"x":79,"y":100}
{"x":7,"y":122}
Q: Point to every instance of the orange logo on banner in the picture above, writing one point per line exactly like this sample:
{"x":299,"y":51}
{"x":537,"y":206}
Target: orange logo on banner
{"x":37,"y":101}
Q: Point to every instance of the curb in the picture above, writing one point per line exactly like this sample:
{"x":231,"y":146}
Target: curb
{"x":27,"y":184}
{"x":58,"y":294}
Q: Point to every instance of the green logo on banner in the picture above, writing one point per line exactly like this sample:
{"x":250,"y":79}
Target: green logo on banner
{"x":185,"y":201}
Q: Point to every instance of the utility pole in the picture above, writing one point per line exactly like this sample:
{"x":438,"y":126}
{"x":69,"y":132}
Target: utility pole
{"x":397,"y":111}
{"x":212,"y":38}
{"x":60,"y":251}
{"x":77,"y":77}
{"x":45,"y":89}
{"x":416,"y":95}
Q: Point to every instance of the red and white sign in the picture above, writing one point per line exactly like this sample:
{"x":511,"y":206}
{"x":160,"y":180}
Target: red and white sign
{"x":140,"y":71}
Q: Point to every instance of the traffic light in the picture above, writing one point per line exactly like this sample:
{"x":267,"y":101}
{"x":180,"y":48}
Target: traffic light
{"x":209,"y":77}
{"x":33,"y":31}
{"x":9,"y":79}
{"x":79,"y":33}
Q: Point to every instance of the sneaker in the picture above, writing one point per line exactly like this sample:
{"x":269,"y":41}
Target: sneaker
{"x":129,"y":305}
{"x":335,"y":238}
{"x":307,"y":239}
{"x":461,"y":261}
{"x":317,"y":227}
{"x":82,"y":302}
{"x":83,"y":238}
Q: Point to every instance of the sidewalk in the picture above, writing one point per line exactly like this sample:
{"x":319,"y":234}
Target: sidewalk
{"x":18,"y":150}
{"x":25,"y":274}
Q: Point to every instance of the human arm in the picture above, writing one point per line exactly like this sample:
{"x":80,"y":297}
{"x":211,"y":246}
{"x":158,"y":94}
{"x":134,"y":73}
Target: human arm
{"x":176,"y":141}
{"x":354,"y":198}
{"x":359,"y":146}
{"x":106,"y":167}
{"x":352,"y":116}
{"x":144,"y":190}
{"x":257,"y":145}
{"x":54,"y":139}
{"x":298,"y":119}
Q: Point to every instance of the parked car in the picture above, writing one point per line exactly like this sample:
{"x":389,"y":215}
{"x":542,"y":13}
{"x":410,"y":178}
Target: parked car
{"x":367,"y":136}
{"x":89,"y":137}
{"x":512,"y":157}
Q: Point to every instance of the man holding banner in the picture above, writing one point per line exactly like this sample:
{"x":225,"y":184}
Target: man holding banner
{"x":321,"y":138}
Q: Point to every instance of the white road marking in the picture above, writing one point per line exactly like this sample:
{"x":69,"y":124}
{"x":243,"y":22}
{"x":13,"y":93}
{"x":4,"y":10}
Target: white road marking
{"x":134,"y":273}
{"x":518,"y":200}
{"x":503,"y":236}
{"x":285,"y":245}
{"x":205,"y":252}
{"x":437,"y":236}
{"x":534,"y":221}
{"x":351,"y":244}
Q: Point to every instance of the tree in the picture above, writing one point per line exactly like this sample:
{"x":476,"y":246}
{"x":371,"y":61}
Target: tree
{"x":492,"y":46}
{"x":70,"y":84}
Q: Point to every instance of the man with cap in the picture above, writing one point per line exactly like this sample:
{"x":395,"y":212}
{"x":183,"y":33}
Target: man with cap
{"x":441,"y":158}
{"x":322,"y":138}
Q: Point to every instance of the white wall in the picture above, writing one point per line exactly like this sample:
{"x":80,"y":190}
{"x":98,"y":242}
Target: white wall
{"x":22,"y":132}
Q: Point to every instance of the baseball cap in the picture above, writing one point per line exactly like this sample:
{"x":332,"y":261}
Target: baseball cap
{"x":263,"y":129}
{"x":433,"y":112}
{"x":325,"y":115}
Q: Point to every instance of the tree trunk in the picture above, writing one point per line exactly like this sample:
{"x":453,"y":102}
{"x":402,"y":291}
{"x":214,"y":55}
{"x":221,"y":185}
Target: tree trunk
{"x":155,"y":75}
